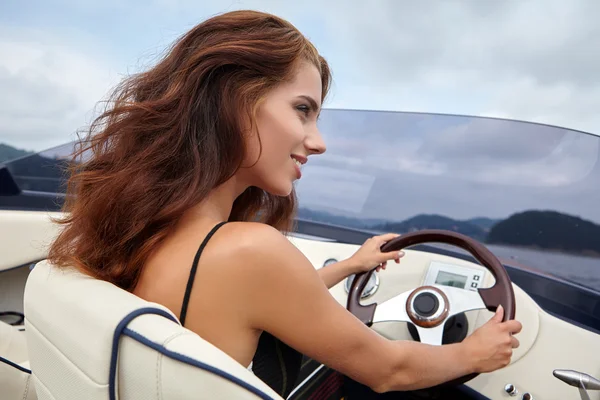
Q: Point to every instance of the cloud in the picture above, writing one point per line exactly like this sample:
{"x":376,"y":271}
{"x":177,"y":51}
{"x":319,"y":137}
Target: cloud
{"x":341,"y":190}
{"x":48,"y":91}
{"x":526,"y":60}
{"x":468,"y":148}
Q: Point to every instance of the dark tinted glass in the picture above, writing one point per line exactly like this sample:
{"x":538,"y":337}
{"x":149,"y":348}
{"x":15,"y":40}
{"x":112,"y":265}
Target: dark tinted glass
{"x":530,"y":192}
{"x":44,"y":171}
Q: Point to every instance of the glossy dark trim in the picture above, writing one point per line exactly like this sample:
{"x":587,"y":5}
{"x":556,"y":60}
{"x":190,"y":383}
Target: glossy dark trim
{"x":471,"y":393}
{"x":8,"y":186}
{"x":28,"y":200}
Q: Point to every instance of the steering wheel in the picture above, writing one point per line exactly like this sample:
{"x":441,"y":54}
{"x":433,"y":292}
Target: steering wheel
{"x":428,"y":307}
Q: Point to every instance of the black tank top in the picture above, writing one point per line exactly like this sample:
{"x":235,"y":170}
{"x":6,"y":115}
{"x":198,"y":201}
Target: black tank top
{"x":275,"y":363}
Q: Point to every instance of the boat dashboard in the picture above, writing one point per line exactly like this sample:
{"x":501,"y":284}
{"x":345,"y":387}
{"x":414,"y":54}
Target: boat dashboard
{"x":547,"y":343}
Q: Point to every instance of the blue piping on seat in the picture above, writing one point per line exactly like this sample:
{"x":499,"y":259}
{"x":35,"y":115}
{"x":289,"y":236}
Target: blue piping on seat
{"x":122,"y":329}
{"x":17,"y":366}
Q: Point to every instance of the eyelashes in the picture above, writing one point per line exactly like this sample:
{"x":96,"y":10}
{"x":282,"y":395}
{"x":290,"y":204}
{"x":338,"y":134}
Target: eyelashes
{"x":304,"y":109}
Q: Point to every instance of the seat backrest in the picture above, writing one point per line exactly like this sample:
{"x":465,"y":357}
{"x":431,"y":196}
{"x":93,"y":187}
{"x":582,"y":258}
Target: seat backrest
{"x":15,"y":376}
{"x":87,"y":337}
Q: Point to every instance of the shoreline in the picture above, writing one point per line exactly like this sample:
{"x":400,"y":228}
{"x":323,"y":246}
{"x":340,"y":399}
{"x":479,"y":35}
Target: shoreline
{"x":585,"y":253}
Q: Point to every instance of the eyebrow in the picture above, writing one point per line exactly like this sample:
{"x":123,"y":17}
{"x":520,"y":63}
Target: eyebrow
{"x":312,"y":102}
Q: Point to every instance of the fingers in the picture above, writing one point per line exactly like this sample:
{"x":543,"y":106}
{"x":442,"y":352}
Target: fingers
{"x":513,"y":326}
{"x":370,"y":255}
{"x":386,"y":237}
{"x":392,"y":255}
{"x":514,"y":342}
{"x":499,"y":314}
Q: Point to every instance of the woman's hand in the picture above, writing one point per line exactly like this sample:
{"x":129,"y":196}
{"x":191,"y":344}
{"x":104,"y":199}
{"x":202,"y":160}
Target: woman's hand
{"x":491,"y":346}
{"x":370,"y":256}
{"x":367,"y":257}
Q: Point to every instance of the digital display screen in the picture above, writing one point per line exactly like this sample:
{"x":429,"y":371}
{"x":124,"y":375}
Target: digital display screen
{"x":449,"y":279}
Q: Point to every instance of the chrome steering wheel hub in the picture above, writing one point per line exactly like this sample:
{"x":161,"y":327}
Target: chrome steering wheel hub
{"x":427,"y":306}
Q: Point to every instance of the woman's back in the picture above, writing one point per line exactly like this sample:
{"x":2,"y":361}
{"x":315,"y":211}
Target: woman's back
{"x":215,"y":307}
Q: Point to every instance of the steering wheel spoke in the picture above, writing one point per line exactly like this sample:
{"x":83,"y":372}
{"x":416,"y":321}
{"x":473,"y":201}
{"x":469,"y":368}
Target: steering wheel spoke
{"x":462,"y":300}
{"x":431,"y":336}
{"x":393,"y":309}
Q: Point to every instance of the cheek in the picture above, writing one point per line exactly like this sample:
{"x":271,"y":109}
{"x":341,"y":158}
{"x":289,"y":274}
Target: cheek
{"x":281,"y":136}
{"x":264,"y":151}
{"x":281,"y":132}
{"x":253,"y":149}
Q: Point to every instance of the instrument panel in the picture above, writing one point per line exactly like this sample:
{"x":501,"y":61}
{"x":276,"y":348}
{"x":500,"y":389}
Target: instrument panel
{"x":441,"y":273}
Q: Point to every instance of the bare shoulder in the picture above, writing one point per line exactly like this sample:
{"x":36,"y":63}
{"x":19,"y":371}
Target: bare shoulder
{"x":261,"y":247}
{"x":252,"y":232}
{"x":261,"y":258}
{"x":265,"y":269}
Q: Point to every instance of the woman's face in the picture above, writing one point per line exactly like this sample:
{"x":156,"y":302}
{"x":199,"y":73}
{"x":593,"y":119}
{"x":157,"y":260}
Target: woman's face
{"x":286,"y":122}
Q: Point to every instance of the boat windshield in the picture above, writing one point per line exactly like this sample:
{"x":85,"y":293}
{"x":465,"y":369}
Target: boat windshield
{"x":529,"y":192}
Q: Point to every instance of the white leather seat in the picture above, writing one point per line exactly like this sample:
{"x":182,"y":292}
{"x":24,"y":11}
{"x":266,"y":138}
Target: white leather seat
{"x":15,"y":376}
{"x":81,"y":331}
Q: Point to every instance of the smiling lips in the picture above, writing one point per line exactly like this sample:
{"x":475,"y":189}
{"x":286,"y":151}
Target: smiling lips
{"x":298,"y":161}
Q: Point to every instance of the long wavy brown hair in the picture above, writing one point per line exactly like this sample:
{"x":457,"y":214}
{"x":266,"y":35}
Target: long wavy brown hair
{"x":169,"y":135}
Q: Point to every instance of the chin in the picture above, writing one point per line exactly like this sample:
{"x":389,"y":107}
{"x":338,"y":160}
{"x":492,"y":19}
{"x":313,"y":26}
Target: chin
{"x":281,"y":192}
{"x":282,"y":189}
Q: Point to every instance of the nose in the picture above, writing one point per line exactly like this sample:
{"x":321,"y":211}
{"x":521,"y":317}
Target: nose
{"x":315,"y":143}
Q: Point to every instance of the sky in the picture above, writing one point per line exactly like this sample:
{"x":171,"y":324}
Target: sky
{"x":531,"y":60}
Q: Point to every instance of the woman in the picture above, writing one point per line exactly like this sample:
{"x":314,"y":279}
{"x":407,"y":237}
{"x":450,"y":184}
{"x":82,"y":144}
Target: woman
{"x":217,"y":132}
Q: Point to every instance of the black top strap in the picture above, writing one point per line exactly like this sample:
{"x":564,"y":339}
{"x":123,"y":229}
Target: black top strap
{"x":190,"y":283}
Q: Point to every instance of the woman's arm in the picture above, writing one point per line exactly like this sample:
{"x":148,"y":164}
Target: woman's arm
{"x":367,"y":257}
{"x":284,"y":295}
{"x":333,"y":274}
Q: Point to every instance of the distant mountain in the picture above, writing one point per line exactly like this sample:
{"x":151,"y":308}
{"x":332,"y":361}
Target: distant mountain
{"x":323,"y":216}
{"x":540,"y":229}
{"x":8,"y":153}
{"x":547,"y":230}
{"x":432,"y":221}
{"x":423,"y":221}
{"x":485,"y":223}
